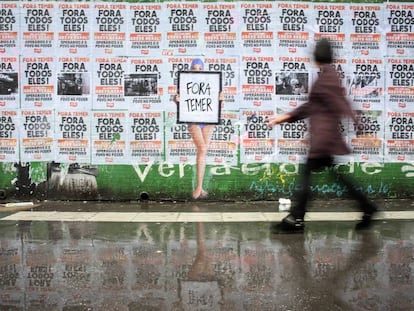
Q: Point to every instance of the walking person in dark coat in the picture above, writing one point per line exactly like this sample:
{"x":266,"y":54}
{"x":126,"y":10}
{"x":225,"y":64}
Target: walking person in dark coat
{"x":326,"y":107}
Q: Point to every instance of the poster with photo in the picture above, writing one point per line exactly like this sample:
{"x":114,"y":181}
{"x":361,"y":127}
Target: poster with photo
{"x":10,"y":28}
{"x":183,"y":27}
{"x":179,"y":145}
{"x":74,"y":82}
{"x":224,"y":145}
{"x":291,"y":140}
{"x":109,"y":134}
{"x":221,"y":24}
{"x":366,"y":138}
{"x":229,"y":68}
{"x":74,"y":22}
{"x":399,"y":136}
{"x":399,"y":83}
{"x":9,"y":82}
{"x":257,"y":28}
{"x":329,"y":20}
{"x":146,"y":136}
{"x":39,"y":75}
{"x":36,"y":135}
{"x":109,"y":28}
{"x":108,"y":82}
{"x":257,"y":81}
{"x":38,"y":23}
{"x":9,"y":136}
{"x":144,"y":86}
{"x":72,"y":136}
{"x":293,"y":32}
{"x":257,"y":139}
{"x":366,"y":85}
{"x":145,"y":29}
{"x":399,"y":28}
{"x":366,"y":30}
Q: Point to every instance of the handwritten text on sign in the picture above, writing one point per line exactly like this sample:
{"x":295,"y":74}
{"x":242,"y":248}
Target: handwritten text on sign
{"x":199,"y":97}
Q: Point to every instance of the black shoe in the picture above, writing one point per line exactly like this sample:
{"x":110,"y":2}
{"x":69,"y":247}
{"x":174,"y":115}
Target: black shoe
{"x":289,"y":224}
{"x":366,"y":220}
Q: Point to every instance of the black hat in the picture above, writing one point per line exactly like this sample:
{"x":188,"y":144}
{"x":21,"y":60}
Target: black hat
{"x":323,"y":52}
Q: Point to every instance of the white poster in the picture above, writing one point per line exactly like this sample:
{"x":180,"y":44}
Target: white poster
{"x":108,"y":82}
{"x":109,"y":137}
{"x":109,"y":29}
{"x":257,"y":27}
{"x":399,"y":19}
{"x":145,"y":29}
{"x":293,"y":29}
{"x":38,"y":24}
{"x":144,"y":83}
{"x":257,"y":140}
{"x":257,"y":81}
{"x":146,"y":136}
{"x":36,"y":135}
{"x":9,"y":82}
{"x":10,"y":28}
{"x":221,"y":24}
{"x":9,"y":136}
{"x":74,"y":82}
{"x":399,"y":136}
{"x":74,"y":22}
{"x":73,"y":136}
{"x":183,"y":27}
{"x":399,"y":83}
{"x":38,"y":82}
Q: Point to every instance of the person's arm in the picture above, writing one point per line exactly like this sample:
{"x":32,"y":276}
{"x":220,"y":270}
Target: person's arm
{"x":279,"y":119}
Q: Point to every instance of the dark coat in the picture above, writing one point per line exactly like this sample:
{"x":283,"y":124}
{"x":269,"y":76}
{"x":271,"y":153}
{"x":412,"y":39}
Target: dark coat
{"x":326,"y":107}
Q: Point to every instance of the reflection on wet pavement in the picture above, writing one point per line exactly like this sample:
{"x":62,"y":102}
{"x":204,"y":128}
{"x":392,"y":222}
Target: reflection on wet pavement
{"x":75,"y":266}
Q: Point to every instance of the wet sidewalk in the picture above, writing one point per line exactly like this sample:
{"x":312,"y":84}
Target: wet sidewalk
{"x":143,"y":256}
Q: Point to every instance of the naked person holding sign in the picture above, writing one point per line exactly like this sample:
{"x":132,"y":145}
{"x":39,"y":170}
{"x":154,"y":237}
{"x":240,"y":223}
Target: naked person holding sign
{"x":197,"y":108}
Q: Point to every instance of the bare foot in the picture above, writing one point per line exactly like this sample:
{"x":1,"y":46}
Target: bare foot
{"x":199,"y":193}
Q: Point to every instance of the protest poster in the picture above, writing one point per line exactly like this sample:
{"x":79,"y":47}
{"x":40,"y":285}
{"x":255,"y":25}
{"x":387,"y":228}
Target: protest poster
{"x":366,"y":30}
{"x":183,"y":27}
{"x":144,"y":83}
{"x":38,"y":24}
{"x":145,"y":30}
{"x":291,"y":140}
{"x":72,"y":136}
{"x":108,"y":82}
{"x":109,"y":28}
{"x":257,"y":140}
{"x":74,"y":82}
{"x":36,"y":135}
{"x":9,"y":136}
{"x":257,"y":27}
{"x":229,"y":68}
{"x":10,"y":28}
{"x":109,"y":134}
{"x":223,"y":147}
{"x":74,"y":28}
{"x":399,"y":136}
{"x":37,"y":84}
{"x":367,"y":79}
{"x":179,"y":145}
{"x":9,"y":82}
{"x":257,"y":81}
{"x":146,"y":136}
{"x":329,"y":21}
{"x":220,"y":32}
{"x":399,"y":83}
{"x":399,"y":31}
{"x":175,"y":64}
{"x":199,"y":97}
{"x":366,"y":139}
{"x":293,"y":32}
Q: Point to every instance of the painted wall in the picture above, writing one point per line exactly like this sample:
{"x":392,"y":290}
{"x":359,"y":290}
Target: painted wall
{"x":235,"y":174}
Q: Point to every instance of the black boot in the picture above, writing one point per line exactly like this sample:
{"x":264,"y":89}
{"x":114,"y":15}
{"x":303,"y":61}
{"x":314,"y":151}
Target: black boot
{"x":366,"y":220}
{"x":289,"y":224}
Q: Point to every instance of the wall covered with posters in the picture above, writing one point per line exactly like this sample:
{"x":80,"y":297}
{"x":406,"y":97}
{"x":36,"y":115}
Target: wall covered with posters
{"x":87,"y":95}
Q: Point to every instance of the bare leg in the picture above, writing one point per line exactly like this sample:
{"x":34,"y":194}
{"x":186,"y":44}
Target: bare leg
{"x":201,"y":139}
